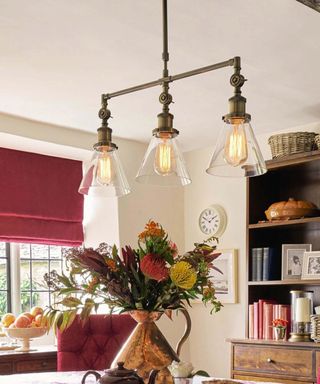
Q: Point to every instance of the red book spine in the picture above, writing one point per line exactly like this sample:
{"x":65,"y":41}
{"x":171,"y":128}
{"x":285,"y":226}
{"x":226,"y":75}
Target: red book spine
{"x":251,"y":322}
{"x":267,"y":321}
{"x":256,"y":320}
{"x":260,"y":330}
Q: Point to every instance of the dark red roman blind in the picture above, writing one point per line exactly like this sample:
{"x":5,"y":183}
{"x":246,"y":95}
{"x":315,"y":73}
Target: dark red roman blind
{"x":39,"y":199}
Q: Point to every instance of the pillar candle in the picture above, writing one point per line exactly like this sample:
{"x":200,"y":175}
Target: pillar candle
{"x":302,"y":310}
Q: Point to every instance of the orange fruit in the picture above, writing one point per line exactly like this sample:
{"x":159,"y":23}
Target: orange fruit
{"x":28,"y":314}
{"x":22,"y":321}
{"x":12,"y":325}
{"x":38,"y":320}
{"x":8,"y":319}
{"x":36,"y":311}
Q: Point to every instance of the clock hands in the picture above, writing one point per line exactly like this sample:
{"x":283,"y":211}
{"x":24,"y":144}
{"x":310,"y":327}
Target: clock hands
{"x":213,"y":217}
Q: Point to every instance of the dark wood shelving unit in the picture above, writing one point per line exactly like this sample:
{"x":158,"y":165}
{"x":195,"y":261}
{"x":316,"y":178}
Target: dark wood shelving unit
{"x":297,"y":176}
{"x":284,"y":282}
{"x":285,"y":223}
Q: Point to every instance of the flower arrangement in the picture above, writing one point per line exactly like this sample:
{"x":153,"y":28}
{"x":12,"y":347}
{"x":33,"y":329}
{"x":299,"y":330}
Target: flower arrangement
{"x":279,"y":323}
{"x":152,"y":277}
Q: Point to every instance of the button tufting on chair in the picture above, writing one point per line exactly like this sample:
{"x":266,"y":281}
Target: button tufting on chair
{"x":94,"y":344}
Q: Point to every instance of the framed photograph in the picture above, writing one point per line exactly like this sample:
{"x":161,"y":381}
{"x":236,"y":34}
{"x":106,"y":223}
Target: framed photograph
{"x":226,"y":282}
{"x":292,"y":260}
{"x":311,"y":265}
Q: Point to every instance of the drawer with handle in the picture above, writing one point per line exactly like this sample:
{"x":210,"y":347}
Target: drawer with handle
{"x":35,"y":365}
{"x":295,"y":362}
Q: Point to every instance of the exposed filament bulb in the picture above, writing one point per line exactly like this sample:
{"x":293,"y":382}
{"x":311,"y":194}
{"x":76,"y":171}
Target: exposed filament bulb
{"x":164,"y":162}
{"x":236,"y":150}
{"x":104,"y":168}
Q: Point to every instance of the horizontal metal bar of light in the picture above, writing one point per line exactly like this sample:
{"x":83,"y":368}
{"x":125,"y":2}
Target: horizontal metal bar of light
{"x":170,"y":79}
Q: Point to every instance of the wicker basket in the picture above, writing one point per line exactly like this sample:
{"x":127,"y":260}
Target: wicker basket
{"x":290,"y":143}
{"x":317,"y":141}
{"x":315,"y":328}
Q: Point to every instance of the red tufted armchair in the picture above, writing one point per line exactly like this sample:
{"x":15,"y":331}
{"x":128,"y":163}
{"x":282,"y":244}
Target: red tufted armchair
{"x":94,"y":344}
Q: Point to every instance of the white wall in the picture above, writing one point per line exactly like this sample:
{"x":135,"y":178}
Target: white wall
{"x":208,"y":347}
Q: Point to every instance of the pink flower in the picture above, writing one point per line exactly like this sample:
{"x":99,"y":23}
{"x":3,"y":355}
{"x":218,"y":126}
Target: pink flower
{"x":154,"y":267}
{"x":173,"y":248}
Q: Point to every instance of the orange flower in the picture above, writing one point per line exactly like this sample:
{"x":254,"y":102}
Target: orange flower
{"x":152,"y":229}
{"x":111,"y":264}
{"x":91,"y":285}
{"x":279,"y":323}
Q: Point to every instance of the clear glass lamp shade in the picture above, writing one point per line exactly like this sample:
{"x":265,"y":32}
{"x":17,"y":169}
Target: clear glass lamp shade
{"x":237,"y":153}
{"x":163,"y":164}
{"x":104,"y":176}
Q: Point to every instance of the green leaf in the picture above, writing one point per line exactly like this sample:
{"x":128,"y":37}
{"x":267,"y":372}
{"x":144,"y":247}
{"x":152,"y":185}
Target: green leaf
{"x":71,"y":302}
{"x":201,"y":373}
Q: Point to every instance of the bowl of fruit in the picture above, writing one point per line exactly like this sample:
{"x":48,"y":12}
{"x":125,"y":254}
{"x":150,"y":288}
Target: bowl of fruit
{"x":25,"y":327}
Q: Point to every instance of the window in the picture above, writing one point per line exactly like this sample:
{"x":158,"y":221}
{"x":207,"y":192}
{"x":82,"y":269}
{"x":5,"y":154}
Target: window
{"x":5,"y":299}
{"x":22,"y":267}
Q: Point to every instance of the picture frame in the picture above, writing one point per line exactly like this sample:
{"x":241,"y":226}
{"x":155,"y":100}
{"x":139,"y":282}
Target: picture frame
{"x":311,"y":266}
{"x":292,"y":260}
{"x":226,"y":283}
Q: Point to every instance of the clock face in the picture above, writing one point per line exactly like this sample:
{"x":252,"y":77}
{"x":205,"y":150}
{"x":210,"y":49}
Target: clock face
{"x":212,"y":221}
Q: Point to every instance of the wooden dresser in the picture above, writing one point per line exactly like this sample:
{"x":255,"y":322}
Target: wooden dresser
{"x":42,"y":360}
{"x":274,"y":361}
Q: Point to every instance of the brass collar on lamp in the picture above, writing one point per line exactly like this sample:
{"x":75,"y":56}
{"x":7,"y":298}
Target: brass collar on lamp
{"x":104,"y":132}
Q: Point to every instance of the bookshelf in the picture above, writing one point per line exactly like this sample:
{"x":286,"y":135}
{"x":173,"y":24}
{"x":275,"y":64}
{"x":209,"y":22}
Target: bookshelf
{"x":297,"y":176}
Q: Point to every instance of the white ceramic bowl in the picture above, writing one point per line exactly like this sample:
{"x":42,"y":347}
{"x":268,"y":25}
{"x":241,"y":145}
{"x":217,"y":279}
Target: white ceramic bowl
{"x":25,"y":334}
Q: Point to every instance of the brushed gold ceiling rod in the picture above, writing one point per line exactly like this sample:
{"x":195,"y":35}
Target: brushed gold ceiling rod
{"x":228,"y":63}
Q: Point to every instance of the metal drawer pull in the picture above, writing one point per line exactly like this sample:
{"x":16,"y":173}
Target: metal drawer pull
{"x":269,"y":360}
{"x":44,"y":363}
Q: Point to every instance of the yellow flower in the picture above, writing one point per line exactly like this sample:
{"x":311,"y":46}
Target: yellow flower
{"x":183,"y":275}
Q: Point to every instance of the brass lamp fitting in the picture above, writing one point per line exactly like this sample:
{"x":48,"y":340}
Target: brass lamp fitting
{"x":237,"y":103}
{"x":165,"y":126}
{"x":104,"y":132}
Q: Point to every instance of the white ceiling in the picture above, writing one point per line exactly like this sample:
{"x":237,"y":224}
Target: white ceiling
{"x":58,"y":56}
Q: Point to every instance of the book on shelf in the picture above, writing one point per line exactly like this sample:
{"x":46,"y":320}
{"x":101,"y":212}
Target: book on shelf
{"x":259,"y":263}
{"x":251,"y":322}
{"x":265,"y":265}
{"x":254,"y":264}
{"x":261,"y":315}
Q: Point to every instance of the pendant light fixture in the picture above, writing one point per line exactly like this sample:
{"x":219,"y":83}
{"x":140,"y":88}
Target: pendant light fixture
{"x":104,"y":175}
{"x":237,"y":152}
{"x":163,"y":163}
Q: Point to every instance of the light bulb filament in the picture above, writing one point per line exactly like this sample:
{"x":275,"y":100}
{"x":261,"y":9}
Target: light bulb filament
{"x":164,"y":158}
{"x":236,"y":150}
{"x":104,"y":169}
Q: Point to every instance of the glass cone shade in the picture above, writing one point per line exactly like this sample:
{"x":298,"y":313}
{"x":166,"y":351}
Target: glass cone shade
{"x":104,"y":175}
{"x":237,"y":153}
{"x":163,"y":164}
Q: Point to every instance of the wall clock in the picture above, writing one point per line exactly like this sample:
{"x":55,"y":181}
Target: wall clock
{"x":213,"y":220}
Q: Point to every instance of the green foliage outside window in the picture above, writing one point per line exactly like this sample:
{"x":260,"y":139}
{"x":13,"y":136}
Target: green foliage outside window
{"x":25,"y":296}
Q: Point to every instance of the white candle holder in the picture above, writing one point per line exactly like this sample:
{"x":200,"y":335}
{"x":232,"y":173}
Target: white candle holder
{"x":301,"y":310}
